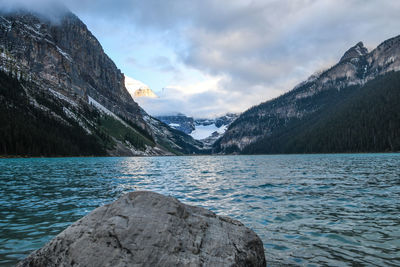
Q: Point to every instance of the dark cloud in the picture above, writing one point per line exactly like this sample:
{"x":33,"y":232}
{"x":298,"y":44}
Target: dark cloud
{"x":52,"y":10}
{"x":260,"y":42}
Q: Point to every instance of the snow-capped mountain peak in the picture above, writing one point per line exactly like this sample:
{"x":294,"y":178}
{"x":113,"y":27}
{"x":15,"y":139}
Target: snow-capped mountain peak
{"x":137,"y":88}
{"x":206,"y":130}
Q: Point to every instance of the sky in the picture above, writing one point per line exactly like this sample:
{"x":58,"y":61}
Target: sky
{"x":205,"y":58}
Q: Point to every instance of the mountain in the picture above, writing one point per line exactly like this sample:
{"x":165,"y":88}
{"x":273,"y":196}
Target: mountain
{"x":175,"y":141}
{"x":62,"y":95}
{"x":351,"y":107}
{"x":205,"y":130}
{"x":209,"y":130}
{"x":179,"y":122}
{"x":144,"y":92}
{"x":138,"y":89}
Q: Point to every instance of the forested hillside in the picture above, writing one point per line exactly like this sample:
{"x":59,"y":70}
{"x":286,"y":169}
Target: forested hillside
{"x":26,"y":130}
{"x":351,"y":107}
{"x":358,"y":119}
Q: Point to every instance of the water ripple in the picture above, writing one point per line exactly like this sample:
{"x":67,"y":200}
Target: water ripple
{"x":309,"y":210}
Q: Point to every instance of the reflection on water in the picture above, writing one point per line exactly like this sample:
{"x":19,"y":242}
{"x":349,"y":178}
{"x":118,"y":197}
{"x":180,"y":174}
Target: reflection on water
{"x":308,"y":209}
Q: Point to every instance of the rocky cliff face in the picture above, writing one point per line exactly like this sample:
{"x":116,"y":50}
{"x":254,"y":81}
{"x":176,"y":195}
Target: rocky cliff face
{"x":355,"y":68}
{"x":65,"y":56}
{"x":65,"y":62}
{"x":355,"y":52}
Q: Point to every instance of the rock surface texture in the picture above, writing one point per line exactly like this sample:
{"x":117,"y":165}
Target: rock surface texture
{"x":149,"y":229}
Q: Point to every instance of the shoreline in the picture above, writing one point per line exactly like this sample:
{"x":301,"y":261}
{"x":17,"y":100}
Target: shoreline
{"x":189,"y":155}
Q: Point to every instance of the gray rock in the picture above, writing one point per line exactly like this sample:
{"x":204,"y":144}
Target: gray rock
{"x":149,"y":229}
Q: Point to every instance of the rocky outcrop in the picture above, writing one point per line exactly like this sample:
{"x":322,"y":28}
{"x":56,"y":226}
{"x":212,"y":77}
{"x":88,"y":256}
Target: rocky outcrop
{"x":355,"y":52}
{"x":149,"y":229}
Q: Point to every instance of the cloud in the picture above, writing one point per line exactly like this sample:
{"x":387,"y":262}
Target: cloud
{"x":260,"y":48}
{"x":207,"y":98}
{"x":256,"y":49}
{"x":163,"y":63}
{"x":48,"y":9}
{"x":198,"y":99}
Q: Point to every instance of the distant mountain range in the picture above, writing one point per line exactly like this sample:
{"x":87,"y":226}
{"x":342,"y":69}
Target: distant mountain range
{"x":179,"y":121}
{"x":352,"y":107}
{"x":61,"y":95}
{"x":206,"y":130}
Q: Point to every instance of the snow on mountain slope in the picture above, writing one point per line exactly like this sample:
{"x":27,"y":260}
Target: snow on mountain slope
{"x":103,"y":109}
{"x":137,"y":88}
{"x":204,"y":131}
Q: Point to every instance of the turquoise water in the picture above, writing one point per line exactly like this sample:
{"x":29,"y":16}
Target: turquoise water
{"x":309,"y":210}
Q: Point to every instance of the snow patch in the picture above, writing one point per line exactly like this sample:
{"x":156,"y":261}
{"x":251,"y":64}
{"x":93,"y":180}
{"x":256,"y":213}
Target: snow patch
{"x":390,"y":60}
{"x":202,"y":132}
{"x":222,"y":129}
{"x":73,"y":116}
{"x":64,"y":54}
{"x":63,"y":97}
{"x":33,"y":30}
{"x":103,"y":109}
{"x":6,"y":20}
{"x":8,"y":26}
{"x":174,"y":124}
{"x":358,"y":50}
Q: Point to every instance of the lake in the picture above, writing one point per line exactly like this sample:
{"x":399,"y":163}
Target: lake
{"x":309,"y":210}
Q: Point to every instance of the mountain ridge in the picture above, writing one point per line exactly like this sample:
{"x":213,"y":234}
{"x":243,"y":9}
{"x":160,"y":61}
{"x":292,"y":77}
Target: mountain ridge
{"x":355,"y":69}
{"x":205,"y":130}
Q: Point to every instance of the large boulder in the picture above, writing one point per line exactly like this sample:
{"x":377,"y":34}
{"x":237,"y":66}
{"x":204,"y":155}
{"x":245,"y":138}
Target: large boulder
{"x":149,"y":229}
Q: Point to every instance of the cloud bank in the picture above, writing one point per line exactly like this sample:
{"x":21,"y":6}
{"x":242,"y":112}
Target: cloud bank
{"x":245,"y":51}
